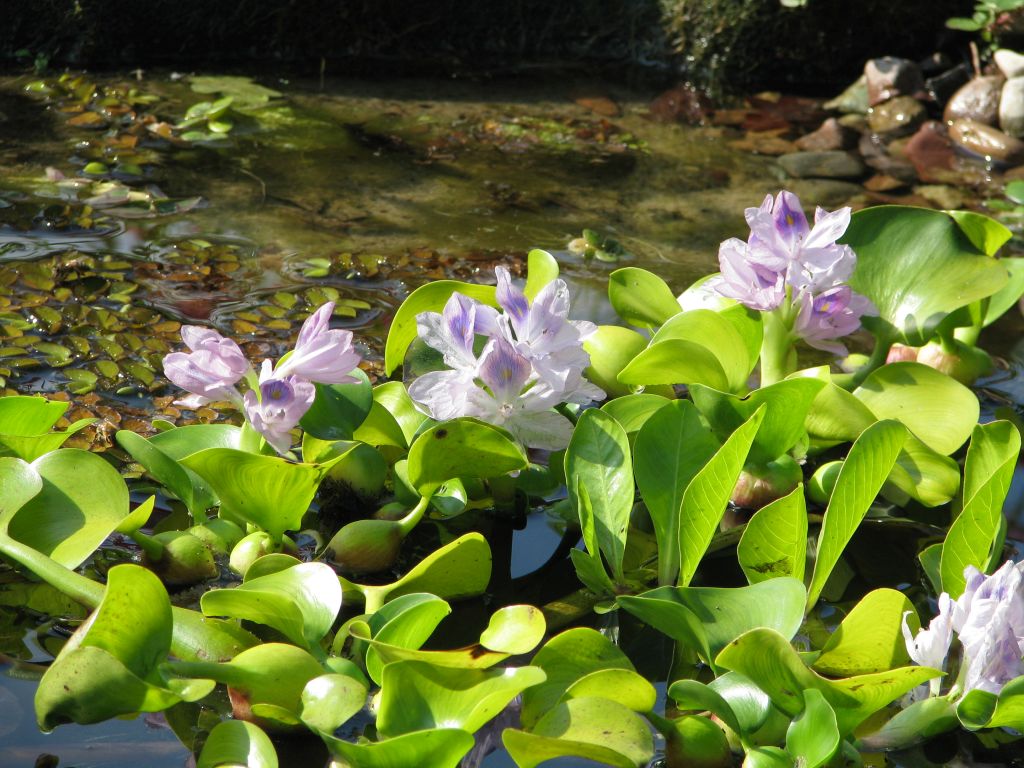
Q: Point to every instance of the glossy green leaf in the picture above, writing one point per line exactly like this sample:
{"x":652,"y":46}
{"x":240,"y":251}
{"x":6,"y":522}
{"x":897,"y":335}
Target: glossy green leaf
{"x":975,"y":709}
{"x":300,"y":602}
{"x":514,"y":629}
{"x":541,"y":269}
{"x":707,"y":495}
{"x":937,"y":409}
{"x":691,"y":695}
{"x":984,"y":232}
{"x":835,"y":415}
{"x":193,"y":491}
{"x":339,"y":409}
{"x":676,"y":361}
{"x":418,"y":696}
{"x":611,"y":349}
{"x":923,"y":474}
{"x":716,"y":334}
{"x":27,"y":416}
{"x":751,"y":706}
{"x":237,"y":742}
{"x":870,"y":637}
{"x":991,"y":459}
{"x":427,"y":298}
{"x":1007,"y":296}
{"x":1009,"y":712}
{"x":931,"y":558}
{"x":68,"y":519}
{"x":767,"y":757}
{"x":405,"y":622}
{"x":598,"y":459}
{"x":633,"y":411}
{"x":707,"y":619}
{"x":866,"y":467}
{"x":625,"y":686}
{"x":566,"y":658}
{"x":393,"y":417}
{"x":438,"y":748}
{"x":749,"y":326}
{"x":767,"y":659}
{"x":917,"y":723}
{"x":19,"y":482}
{"x":641,"y":298}
{"x":597,"y":729}
{"x":774,"y":543}
{"x":267,"y":491}
{"x":329,"y":701}
{"x":918,"y":265}
{"x":31,"y":447}
{"x":184,"y":441}
{"x":813,"y":736}
{"x":670,"y":449}
{"x":461,"y":448}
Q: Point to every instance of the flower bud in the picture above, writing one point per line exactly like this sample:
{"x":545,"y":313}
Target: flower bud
{"x":762,"y":484}
{"x":696,"y":742}
{"x":365,"y":546}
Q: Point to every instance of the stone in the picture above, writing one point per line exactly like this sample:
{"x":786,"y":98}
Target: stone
{"x":733,"y":117}
{"x":830,"y":135}
{"x":764,"y":143}
{"x":880,"y":182}
{"x":855,"y":122}
{"x":853,"y":100}
{"x":876,"y":154}
{"x":977,"y":100}
{"x":986,"y":141}
{"x":599,"y":105}
{"x":897,"y":117}
{"x":942,"y":86}
{"x":889,"y":77}
{"x":682,"y":104}
{"x":828,"y":165}
{"x":1011,"y":107}
{"x":934,"y":63}
{"x":930,"y":152}
{"x":1010,"y":63}
{"x":945,"y":197}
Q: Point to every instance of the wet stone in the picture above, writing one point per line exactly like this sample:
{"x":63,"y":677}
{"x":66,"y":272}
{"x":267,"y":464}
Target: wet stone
{"x":880,"y":182}
{"x":897,"y":117}
{"x":941,"y":87}
{"x":1011,"y":107}
{"x":889,"y":77}
{"x":1010,"y":63}
{"x":986,"y":141}
{"x":829,"y":165}
{"x":930,"y":151}
{"x":942,"y":195}
{"x":977,"y":100}
{"x":599,"y":105}
{"x":853,"y":100}
{"x":876,"y":154}
{"x":830,"y":136}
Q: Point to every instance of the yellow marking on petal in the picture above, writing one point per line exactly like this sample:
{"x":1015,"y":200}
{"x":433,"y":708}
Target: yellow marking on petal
{"x":789,"y":219}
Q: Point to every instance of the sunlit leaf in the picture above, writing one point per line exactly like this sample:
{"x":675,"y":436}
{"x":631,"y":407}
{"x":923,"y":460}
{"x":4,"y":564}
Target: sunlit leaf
{"x":774,"y":543}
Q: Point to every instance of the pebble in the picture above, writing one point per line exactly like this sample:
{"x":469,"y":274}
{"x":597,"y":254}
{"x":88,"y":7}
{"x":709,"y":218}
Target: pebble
{"x":977,"y":100}
{"x":946,"y":197}
{"x":829,"y":165}
{"x":941,"y":87}
{"x":931,"y":152}
{"x":984,"y":140}
{"x":889,"y":77}
{"x":880,"y":182}
{"x":599,"y":105}
{"x":830,"y":135}
{"x":876,"y":154}
{"x":854,"y":99}
{"x":1011,"y":107}
{"x":1010,"y":63}
{"x":897,"y":116}
{"x":764,"y":143}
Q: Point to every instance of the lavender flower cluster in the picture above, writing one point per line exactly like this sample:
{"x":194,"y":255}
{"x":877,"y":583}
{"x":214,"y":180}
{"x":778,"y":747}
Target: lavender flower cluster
{"x":788,"y":266}
{"x":533,"y":360}
{"x":988,"y":619}
{"x":214,"y":366}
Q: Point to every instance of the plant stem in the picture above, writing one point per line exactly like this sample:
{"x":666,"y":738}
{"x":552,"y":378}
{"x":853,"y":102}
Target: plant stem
{"x":778,"y":356}
{"x":878,"y":357}
{"x":76,"y":586}
{"x":411,"y":520}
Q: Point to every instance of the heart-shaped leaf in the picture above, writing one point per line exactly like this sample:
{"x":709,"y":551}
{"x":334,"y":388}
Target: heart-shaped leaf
{"x":641,"y":298}
{"x":870,"y":638}
{"x":813,"y":737}
{"x":329,"y":701}
{"x":237,"y":742}
{"x":716,"y":334}
{"x":339,"y":409}
{"x":461,"y":448}
{"x":393,"y":418}
{"x":541,"y":269}
{"x":19,"y":482}
{"x":438,"y":748}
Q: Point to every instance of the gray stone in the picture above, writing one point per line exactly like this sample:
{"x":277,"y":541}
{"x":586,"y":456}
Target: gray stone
{"x":889,"y":77}
{"x":1011,"y":107}
{"x":986,"y":141}
{"x":854,"y":100}
{"x":828,"y":165}
{"x":977,"y":100}
{"x":1010,"y":63}
{"x":897,"y":117}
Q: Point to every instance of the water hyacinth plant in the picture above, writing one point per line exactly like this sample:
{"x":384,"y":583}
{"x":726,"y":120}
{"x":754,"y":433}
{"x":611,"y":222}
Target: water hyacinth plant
{"x":682,"y":455}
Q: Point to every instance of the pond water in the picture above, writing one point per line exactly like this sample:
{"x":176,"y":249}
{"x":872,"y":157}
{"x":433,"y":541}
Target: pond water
{"x":355,"y":191}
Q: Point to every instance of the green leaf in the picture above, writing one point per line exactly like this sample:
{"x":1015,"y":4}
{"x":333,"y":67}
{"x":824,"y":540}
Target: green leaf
{"x":329,"y":701}
{"x":566,"y":658}
{"x":975,"y":709}
{"x":676,"y":361}
{"x":707,"y":619}
{"x":19,"y":482}
{"x":985,"y":233}
{"x":691,"y":695}
{"x":774,"y":543}
{"x":769,"y":661}
{"x":786,"y":405}
{"x":597,"y":729}
{"x":405,"y":622}
{"x":870,"y":638}
{"x":266,"y":491}
{"x":633,"y":411}
{"x":747,"y":323}
{"x":707,"y":495}
{"x":991,"y":459}
{"x":940,"y":411}
{"x":930,"y":558}
{"x":716,"y":334}
{"x":630,"y":689}
{"x":1009,"y":711}
{"x":438,"y":748}
{"x":300,"y":602}
{"x":835,"y":415}
{"x":1007,"y":296}
{"x":868,"y":464}
{"x":419,"y":696}
{"x":427,"y":298}
{"x":27,"y":416}
{"x":598,"y":459}
{"x":237,"y":742}
{"x":611,"y":348}
{"x":461,"y":448}
{"x":670,"y":449}
{"x":541,"y":269}
{"x":68,"y":519}
{"x":184,"y":441}
{"x":767,"y":757}
{"x":923,"y":474}
{"x":813,"y":737}
{"x":751,"y":706}
{"x":641,"y":298}
{"x":338,"y":409}
{"x":918,"y":265}
{"x":193,"y":491}
{"x":393,"y":418}
{"x":917,"y":723}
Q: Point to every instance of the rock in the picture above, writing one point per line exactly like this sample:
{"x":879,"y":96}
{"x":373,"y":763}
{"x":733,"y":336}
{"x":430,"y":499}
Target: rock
{"x":764,"y":143}
{"x":853,"y":100}
{"x":889,"y":77}
{"x":930,"y":151}
{"x":682,"y":104}
{"x":897,"y":117}
{"x":942,"y":86}
{"x":876,"y":154}
{"x":880,"y":182}
{"x":1011,"y":107}
{"x":858,"y":123}
{"x":1010,"y":63}
{"x":945,"y":197}
{"x":935,"y":63}
{"x":986,"y":141}
{"x":599,"y":105}
{"x":734,"y":117}
{"x":977,"y":100}
{"x":829,"y":165}
{"x":831,"y":135}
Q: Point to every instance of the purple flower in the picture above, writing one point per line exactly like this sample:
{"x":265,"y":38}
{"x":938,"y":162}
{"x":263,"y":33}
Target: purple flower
{"x":751,"y":284}
{"x":320,"y":354}
{"x":830,"y":315}
{"x":212,"y":368}
{"x":281,"y":403}
{"x":453,"y":332}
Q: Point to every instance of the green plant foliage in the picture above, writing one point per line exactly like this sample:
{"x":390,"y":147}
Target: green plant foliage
{"x":236,"y":742}
{"x":331,"y":700}
{"x":440,"y":747}
{"x":774,"y":543}
{"x":461,"y":448}
{"x":541,"y":269}
{"x":813,"y":737}
{"x":611,"y":349}
{"x":339,"y":409}
{"x":870,"y":637}
{"x":633,"y":411}
{"x":26,"y":424}
{"x":641,"y":298}
{"x":393,"y":418}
